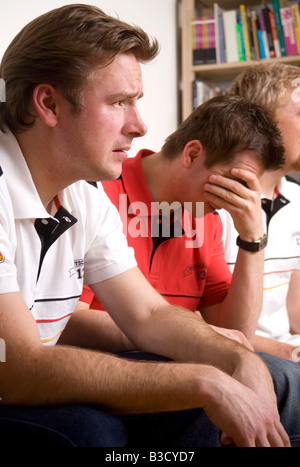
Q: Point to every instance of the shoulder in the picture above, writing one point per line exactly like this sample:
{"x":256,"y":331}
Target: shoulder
{"x":88,"y":201}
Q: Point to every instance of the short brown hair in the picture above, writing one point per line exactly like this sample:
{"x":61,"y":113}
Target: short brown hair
{"x":226,"y":125}
{"x":266,"y":84}
{"x":62,"y":48}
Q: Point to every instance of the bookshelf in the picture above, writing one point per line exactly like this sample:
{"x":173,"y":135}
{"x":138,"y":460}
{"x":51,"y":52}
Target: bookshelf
{"x":220,"y":74}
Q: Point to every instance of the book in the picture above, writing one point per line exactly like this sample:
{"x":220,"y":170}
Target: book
{"x":255,"y":34}
{"x":266,"y":11}
{"x":240,"y":38}
{"x":288,"y":31}
{"x":202,"y":91}
{"x":204,"y":40}
{"x":276,"y":8}
{"x":219,"y":30}
{"x":245,"y":32}
{"x":296,"y":22}
{"x":260,"y":40}
{"x":274,"y":34}
{"x":264,"y":33}
{"x":251,"y":38}
{"x":229,"y":22}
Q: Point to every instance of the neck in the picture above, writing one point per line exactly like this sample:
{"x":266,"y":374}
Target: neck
{"x":46,"y":174}
{"x":269,"y":181}
{"x":159,"y":175}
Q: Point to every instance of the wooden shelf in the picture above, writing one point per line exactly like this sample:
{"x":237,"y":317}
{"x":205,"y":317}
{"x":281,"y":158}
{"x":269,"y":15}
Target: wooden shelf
{"x":216,"y":73}
{"x":228,"y":71}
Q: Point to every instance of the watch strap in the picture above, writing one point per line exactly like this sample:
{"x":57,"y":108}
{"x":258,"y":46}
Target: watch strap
{"x":255,"y":246}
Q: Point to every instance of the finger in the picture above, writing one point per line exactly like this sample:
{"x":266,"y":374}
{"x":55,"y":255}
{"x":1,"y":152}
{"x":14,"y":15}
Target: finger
{"x":247,"y":177}
{"x":222,"y":186}
{"x":279,"y":437}
{"x":223,"y":197}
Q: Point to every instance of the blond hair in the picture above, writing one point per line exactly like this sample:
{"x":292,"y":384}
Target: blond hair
{"x":266,"y":84}
{"x":63,"y":48}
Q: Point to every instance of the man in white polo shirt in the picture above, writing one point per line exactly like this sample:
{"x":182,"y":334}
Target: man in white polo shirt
{"x":72,"y":83}
{"x":276,"y":88}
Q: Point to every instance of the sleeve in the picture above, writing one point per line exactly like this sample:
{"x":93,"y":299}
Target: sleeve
{"x":87,"y":295}
{"x":8,"y":270}
{"x":108,"y":254}
{"x":218,"y":276}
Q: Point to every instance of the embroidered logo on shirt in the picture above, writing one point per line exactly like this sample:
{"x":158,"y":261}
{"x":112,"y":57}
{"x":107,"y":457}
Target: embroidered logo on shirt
{"x":199,"y":269}
{"x":2,"y":258}
{"x":77,"y":269}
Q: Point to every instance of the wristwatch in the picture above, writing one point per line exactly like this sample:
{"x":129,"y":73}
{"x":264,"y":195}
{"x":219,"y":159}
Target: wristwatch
{"x":258,"y":245}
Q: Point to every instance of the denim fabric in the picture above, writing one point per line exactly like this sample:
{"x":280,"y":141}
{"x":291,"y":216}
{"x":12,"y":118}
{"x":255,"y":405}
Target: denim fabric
{"x":286,"y":379}
{"x":85,"y":426}
{"x":88,"y":426}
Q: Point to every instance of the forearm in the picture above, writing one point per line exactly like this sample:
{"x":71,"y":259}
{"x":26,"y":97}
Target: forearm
{"x":184,"y":336}
{"x":273,"y":347}
{"x":242,"y":305}
{"x":94,"y":329}
{"x":63,"y":375}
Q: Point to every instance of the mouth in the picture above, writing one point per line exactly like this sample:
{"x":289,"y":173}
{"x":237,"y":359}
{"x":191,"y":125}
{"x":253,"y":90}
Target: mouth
{"x":122,"y":152}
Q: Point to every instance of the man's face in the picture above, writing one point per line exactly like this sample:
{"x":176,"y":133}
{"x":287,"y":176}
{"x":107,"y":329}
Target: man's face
{"x":97,"y":138}
{"x":288,"y":119}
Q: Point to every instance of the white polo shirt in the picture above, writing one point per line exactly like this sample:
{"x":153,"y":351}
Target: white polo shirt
{"x":282,"y":257}
{"x":48,"y":258}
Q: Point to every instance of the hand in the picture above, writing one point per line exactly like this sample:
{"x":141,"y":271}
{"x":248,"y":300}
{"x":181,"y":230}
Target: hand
{"x":245,"y":418}
{"x":234,"y":335}
{"x":231,"y":334}
{"x":242,"y":202}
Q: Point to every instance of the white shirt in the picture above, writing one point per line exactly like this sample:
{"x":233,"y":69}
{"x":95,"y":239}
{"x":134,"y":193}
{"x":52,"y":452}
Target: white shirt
{"x":82,"y":242}
{"x":282,"y":257}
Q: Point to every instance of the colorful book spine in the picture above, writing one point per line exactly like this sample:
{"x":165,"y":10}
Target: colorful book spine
{"x":245,"y":32}
{"x":274,"y":34}
{"x":260,"y":39}
{"x":276,"y":8}
{"x":296,"y":22}
{"x":204,"y":41}
{"x":240,"y":38}
{"x":269,"y":32}
{"x":288,"y":31}
{"x":254,"y":33}
{"x":264,"y":33}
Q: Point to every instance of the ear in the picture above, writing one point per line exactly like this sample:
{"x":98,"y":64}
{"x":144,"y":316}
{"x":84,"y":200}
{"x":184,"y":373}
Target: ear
{"x":44,"y":100}
{"x":192,"y":151}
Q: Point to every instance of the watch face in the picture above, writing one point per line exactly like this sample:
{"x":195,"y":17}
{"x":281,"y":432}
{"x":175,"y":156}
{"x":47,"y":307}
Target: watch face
{"x":263,"y":242}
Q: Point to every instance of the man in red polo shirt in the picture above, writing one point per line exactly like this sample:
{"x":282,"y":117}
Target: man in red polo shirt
{"x":182,"y":256}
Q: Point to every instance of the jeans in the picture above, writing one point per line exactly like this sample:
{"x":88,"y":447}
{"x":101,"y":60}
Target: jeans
{"x":286,"y":379}
{"x":89,"y":426}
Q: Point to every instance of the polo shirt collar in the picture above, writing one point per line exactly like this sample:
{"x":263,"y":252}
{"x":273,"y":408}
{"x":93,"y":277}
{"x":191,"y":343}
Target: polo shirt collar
{"x":24,"y":196}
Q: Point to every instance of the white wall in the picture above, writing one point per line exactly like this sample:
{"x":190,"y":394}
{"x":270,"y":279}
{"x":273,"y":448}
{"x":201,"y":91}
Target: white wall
{"x":159,"y":107}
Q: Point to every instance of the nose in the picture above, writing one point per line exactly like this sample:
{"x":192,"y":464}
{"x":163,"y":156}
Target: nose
{"x":135,"y":125}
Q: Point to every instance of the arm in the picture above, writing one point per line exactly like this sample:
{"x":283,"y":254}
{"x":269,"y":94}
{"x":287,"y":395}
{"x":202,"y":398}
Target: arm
{"x":39,"y":375}
{"x":241,"y":307}
{"x":94,"y":329}
{"x":293,"y":302}
{"x":273,"y":347}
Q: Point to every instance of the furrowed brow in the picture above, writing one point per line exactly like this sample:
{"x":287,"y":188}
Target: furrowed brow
{"x":124,"y":96}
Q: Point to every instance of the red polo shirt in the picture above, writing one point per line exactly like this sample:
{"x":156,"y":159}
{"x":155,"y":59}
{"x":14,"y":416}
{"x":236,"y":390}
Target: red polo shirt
{"x":192,"y":277}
